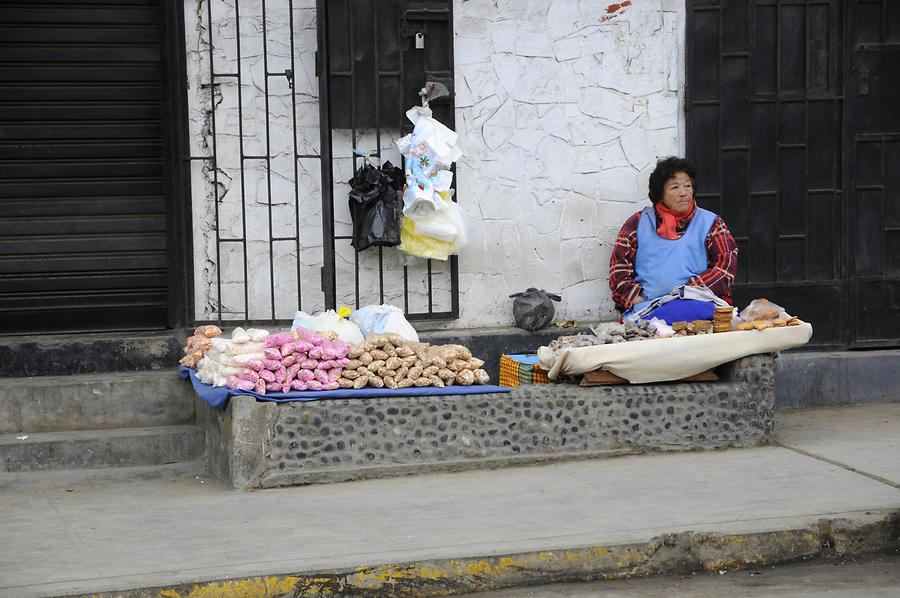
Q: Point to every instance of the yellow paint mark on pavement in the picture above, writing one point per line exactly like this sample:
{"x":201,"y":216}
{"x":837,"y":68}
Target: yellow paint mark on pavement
{"x":256,"y":587}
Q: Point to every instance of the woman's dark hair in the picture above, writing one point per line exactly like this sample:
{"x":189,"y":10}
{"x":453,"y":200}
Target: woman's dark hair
{"x":665,"y":170}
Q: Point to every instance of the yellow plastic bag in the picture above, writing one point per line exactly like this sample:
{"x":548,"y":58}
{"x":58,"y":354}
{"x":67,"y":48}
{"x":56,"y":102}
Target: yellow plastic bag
{"x":421,"y":245}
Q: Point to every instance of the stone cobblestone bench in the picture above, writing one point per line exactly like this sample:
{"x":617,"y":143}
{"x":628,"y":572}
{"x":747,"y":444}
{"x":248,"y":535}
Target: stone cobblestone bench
{"x":261,"y":445}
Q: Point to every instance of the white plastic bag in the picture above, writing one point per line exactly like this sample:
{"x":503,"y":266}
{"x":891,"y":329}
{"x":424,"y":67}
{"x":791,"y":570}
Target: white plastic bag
{"x":444,"y":225}
{"x":382,"y":319}
{"x":329,"y":320}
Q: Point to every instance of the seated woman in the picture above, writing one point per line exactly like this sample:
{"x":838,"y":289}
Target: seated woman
{"x":673,"y":243}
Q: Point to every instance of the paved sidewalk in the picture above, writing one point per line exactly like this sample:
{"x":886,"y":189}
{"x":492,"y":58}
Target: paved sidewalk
{"x":71,"y":537}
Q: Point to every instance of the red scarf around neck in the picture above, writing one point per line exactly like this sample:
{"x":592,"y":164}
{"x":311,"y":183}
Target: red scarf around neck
{"x":669,"y":219}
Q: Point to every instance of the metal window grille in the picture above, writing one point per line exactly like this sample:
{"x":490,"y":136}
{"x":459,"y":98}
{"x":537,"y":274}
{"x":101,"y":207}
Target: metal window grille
{"x":371,"y":71}
{"x":272,"y":150}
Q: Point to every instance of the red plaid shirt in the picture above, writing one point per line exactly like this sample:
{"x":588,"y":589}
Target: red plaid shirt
{"x":721,"y":251}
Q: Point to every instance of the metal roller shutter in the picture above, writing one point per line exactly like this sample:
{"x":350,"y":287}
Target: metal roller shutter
{"x":83,"y":243}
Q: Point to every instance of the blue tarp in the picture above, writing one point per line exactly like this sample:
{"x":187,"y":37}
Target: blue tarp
{"x":218,"y":396}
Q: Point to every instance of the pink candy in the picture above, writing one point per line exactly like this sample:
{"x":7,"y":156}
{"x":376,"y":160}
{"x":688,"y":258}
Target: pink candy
{"x":267,"y":376}
{"x":331,"y":386}
{"x":231,"y":381}
{"x":273,"y":387}
{"x":309,"y":364}
{"x":334,"y":349}
{"x":255,"y":364}
{"x":245,"y":385}
{"x":276,"y":340}
{"x":280,"y":374}
{"x":304,"y":375}
{"x":292,"y":371}
{"x":272,"y":353}
{"x":260,"y":386}
{"x":299,"y":385}
{"x":315,"y":385}
{"x":334,"y":374}
{"x":249,"y":375}
{"x":308,"y":336}
{"x":289,"y":361}
{"x":321,"y":376}
{"x":315,"y":352}
{"x":271,"y":364}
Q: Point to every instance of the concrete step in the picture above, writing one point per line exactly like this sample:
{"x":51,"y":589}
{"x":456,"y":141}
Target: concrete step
{"x":818,"y":379}
{"x":90,"y":449}
{"x":78,"y":480}
{"x":95,"y":401}
{"x":63,"y":354}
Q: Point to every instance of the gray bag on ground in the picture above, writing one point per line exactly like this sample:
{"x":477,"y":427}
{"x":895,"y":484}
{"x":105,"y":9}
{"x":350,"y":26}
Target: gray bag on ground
{"x":533,"y":309}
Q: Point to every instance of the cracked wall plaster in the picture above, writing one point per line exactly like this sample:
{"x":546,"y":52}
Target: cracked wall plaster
{"x":561,"y":114}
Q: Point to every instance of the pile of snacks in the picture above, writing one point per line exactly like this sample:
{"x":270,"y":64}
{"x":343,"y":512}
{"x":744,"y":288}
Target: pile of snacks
{"x":609,"y":333}
{"x":198,"y":344}
{"x":229,"y":356}
{"x":773,"y":323}
{"x":390,"y":361}
{"x":640,"y":330}
{"x":722,"y":316}
{"x":762,"y":314}
{"x":296,"y":360}
{"x":693,"y":328}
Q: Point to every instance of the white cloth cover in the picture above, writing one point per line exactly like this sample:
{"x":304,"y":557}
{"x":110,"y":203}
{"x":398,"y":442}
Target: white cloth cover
{"x":329,"y":320}
{"x":375,"y":319}
{"x":665,"y":359}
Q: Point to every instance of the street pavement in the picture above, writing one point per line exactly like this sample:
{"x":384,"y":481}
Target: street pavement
{"x":79,"y":535}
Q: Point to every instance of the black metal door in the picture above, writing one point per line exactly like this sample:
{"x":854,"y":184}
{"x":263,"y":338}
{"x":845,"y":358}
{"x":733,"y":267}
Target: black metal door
{"x":83,"y":189}
{"x":374,"y":57}
{"x":873,"y":143}
{"x":776,"y":118}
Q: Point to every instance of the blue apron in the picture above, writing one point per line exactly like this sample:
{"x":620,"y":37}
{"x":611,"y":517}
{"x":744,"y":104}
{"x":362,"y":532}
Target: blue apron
{"x":662,"y":264}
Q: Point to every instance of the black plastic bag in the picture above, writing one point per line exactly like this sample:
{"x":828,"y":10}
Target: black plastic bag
{"x":533,"y":309}
{"x":375,"y":205}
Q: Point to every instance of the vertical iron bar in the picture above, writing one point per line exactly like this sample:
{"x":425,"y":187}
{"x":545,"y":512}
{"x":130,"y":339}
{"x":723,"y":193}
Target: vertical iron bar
{"x":378,"y":138}
{"x":454,"y":260}
{"x":215,"y":165}
{"x":350,"y":26}
{"x":293,"y":87}
{"x":328,"y":274}
{"x":240,"y":98}
{"x":402,"y":56}
{"x":430,"y":296}
{"x":427,"y":32}
{"x":381,"y":273}
{"x":268,"y":158}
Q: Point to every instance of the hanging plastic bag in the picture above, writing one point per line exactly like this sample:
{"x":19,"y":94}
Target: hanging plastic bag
{"x":329,"y":320}
{"x":434,"y":234}
{"x":421,"y":245}
{"x":433,"y":226}
{"x":375,"y":205}
{"x":381,"y":319}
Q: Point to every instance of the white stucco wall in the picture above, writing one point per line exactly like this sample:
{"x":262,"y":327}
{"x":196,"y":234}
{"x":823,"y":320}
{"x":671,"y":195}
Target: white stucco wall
{"x":562,"y":110}
{"x":562,"y":116}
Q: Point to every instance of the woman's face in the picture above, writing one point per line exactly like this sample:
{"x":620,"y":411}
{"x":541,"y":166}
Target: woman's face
{"x":678,"y":193}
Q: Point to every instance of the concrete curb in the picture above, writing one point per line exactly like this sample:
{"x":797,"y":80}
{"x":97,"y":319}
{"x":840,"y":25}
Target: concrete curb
{"x":875,"y":531}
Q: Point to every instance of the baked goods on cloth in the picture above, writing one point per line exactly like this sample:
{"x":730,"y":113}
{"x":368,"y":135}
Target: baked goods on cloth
{"x":666,"y":359}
